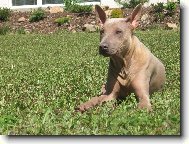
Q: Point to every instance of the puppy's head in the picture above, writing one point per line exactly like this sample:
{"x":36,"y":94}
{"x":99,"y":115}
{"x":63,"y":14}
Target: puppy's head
{"x":116,"y":33}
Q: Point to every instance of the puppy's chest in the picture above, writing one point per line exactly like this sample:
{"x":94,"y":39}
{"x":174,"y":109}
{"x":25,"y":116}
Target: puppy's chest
{"x":125,"y":77}
{"x":123,"y":74}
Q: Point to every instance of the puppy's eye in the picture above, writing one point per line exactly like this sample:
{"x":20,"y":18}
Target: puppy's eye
{"x":118,"y":32}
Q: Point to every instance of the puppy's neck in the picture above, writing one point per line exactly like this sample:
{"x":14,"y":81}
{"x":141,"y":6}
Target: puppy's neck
{"x":130,"y":51}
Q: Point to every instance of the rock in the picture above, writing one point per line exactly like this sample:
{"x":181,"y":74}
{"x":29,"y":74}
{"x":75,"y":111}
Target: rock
{"x":28,"y":31}
{"x":108,"y":13}
{"x":90,"y":28}
{"x":74,"y":31}
{"x":171,"y":26}
{"x":22,"y":19}
{"x":70,"y":16}
{"x":93,"y":22}
{"x":56,"y":9}
{"x":144,"y":17}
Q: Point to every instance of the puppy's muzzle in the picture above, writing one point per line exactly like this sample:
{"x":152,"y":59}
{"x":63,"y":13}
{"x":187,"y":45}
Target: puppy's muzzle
{"x":103,"y":49}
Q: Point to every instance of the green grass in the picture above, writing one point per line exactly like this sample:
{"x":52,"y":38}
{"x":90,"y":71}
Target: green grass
{"x":43,"y":77}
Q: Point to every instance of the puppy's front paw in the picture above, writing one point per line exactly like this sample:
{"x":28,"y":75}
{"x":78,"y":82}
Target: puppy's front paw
{"x":80,"y":108}
{"x":83,"y":107}
{"x":145,"y":105}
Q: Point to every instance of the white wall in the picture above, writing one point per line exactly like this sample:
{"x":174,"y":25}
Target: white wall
{"x":8,"y":3}
{"x":164,"y":1}
{"x":157,"y":1}
{"x":110,"y":3}
{"x":5,"y":3}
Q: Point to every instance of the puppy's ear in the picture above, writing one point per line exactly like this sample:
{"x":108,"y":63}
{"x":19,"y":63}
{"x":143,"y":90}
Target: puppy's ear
{"x":135,"y":16}
{"x":101,"y":13}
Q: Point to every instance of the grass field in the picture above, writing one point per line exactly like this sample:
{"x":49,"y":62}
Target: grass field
{"x":43,"y":77}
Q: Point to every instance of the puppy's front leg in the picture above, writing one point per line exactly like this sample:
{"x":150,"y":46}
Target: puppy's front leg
{"x":141,"y":90}
{"x":109,"y":93}
{"x":144,"y":100}
{"x":98,"y":100}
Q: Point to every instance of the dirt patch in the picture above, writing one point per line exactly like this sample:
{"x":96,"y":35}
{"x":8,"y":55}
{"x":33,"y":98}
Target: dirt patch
{"x":77,"y":21}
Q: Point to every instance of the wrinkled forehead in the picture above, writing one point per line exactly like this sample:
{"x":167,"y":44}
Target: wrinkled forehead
{"x":115,"y":23}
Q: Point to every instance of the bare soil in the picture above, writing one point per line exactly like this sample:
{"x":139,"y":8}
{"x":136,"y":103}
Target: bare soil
{"x":47,"y":25}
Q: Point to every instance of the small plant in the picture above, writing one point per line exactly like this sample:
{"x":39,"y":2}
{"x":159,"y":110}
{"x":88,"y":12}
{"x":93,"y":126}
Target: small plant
{"x":158,"y":8}
{"x":37,"y":15}
{"x":72,"y":6}
{"x":4,"y":30}
{"x":116,"y":13}
{"x":4,"y":14}
{"x":21,"y":30}
{"x":68,"y":4}
{"x":171,"y":8}
{"x":131,"y":3}
{"x":61,"y":21}
{"x":81,"y":8}
{"x":159,"y":17}
{"x":134,"y":3}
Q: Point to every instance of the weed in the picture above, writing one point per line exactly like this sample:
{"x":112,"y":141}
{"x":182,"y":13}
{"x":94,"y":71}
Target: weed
{"x":4,"y":14}
{"x":21,"y":30}
{"x":68,"y":4}
{"x":131,"y":3}
{"x":72,"y":6}
{"x":37,"y":15}
{"x":171,"y":8}
{"x":116,"y":13}
{"x":61,"y":21}
{"x":158,"y":7}
{"x":159,"y":17}
{"x":81,"y":8}
{"x":4,"y":29}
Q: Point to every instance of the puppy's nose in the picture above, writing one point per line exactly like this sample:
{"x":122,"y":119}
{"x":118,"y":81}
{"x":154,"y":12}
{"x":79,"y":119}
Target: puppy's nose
{"x":104,"y":46}
{"x":103,"y":49}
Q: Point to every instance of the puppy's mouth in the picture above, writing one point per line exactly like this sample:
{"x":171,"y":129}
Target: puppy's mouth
{"x":106,"y":53}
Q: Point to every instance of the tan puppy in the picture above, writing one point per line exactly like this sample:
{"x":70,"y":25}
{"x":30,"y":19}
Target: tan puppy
{"x":132,"y":67}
